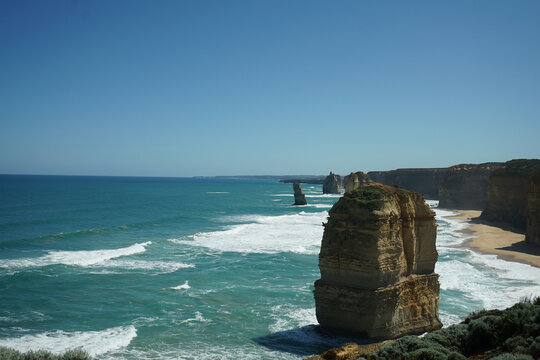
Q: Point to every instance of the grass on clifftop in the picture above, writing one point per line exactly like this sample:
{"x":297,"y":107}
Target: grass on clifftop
{"x":372,"y":196}
{"x":511,"y":334}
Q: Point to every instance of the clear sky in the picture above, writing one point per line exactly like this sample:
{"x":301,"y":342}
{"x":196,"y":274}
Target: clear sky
{"x":182,"y":88}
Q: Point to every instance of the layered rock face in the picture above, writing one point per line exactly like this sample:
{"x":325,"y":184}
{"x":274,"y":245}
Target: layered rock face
{"x":508,"y":192}
{"x":465,"y":186}
{"x":332,"y":184}
{"x":377,"y":265}
{"x":355,"y":180}
{"x":533,"y":210}
{"x":425,"y":181}
{"x":299,"y":197}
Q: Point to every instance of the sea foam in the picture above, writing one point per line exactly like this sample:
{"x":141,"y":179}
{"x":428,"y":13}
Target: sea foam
{"x":75,"y":258}
{"x":485,"y":279}
{"x":299,"y":233}
{"x":184,"y":286}
{"x":94,"y":342}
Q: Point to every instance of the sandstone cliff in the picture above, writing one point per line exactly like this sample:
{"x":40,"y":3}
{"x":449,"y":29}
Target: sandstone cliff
{"x":299,"y":197}
{"x":507,"y":193}
{"x":332,"y":184}
{"x":465,"y":186}
{"x":424,"y":181}
{"x":533,"y":209}
{"x":355,"y":180}
{"x":377,"y":260}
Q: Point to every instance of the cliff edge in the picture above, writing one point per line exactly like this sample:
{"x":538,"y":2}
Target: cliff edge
{"x":465,"y":186}
{"x":508,"y":193}
{"x":377,"y":265}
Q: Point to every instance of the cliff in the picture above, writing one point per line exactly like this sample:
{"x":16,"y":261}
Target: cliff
{"x":533,"y":209}
{"x":299,"y":197}
{"x":465,"y":186}
{"x":332,"y":184}
{"x":424,"y":181}
{"x":354,"y":180}
{"x":508,"y":190}
{"x":377,"y":265}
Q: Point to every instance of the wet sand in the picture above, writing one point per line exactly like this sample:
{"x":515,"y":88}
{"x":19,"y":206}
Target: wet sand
{"x":507,"y":244}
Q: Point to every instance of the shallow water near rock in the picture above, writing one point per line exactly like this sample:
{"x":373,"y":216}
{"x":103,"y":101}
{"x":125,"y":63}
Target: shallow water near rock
{"x":164,"y":268}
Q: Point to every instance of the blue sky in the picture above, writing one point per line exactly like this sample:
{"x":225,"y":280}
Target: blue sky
{"x":182,"y":88}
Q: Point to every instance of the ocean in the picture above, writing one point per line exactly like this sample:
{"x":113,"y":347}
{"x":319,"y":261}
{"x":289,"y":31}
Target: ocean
{"x":189,"y":268}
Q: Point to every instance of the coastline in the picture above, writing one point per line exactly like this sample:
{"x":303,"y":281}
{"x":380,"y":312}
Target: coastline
{"x":488,"y":238}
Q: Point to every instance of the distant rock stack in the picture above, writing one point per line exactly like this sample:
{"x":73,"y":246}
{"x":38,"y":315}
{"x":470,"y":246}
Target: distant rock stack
{"x":332,"y":184}
{"x":533,"y":210}
{"x":354,"y":180}
{"x":465,"y":186}
{"x":377,"y":265}
{"x":299,"y":197}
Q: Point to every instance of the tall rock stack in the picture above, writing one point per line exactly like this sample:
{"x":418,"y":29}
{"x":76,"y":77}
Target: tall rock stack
{"x":354,"y":180}
{"x":533,"y":210}
{"x":377,"y":265}
{"x":351,"y":182}
{"x":332,"y":184}
{"x":299,"y":197}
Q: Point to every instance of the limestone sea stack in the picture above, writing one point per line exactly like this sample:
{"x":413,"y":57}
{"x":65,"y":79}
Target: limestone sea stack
{"x":332,"y":184}
{"x":354,"y":180}
{"x":377,"y":264}
{"x":299,"y":197}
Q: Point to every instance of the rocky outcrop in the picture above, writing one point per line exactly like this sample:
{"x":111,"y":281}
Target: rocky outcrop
{"x":465,"y":186}
{"x":377,"y":265}
{"x":533,"y":210}
{"x":508,"y":193}
{"x":424,"y":181}
{"x":355,"y":180}
{"x":299,"y":197}
{"x":332,"y":184}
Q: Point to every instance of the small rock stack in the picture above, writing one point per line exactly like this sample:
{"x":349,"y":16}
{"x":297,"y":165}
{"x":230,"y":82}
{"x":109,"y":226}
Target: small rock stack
{"x":299,"y":197}
{"x":332,"y":184}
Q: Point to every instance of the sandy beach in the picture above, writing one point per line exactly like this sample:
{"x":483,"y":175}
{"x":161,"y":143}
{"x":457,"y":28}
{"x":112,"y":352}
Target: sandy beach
{"x":490,"y":239}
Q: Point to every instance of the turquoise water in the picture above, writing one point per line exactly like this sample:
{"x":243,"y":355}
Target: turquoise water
{"x":158,"y":268}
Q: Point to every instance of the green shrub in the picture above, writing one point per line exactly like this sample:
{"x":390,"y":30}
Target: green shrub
{"x":11,"y":354}
{"x":426,"y":354}
{"x":516,"y":331}
{"x":507,"y":356}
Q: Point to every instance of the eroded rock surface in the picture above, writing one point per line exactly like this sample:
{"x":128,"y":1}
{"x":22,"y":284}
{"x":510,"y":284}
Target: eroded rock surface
{"x":533,"y":210}
{"x":508,"y":193}
{"x":354,"y":180}
{"x":299,"y":197}
{"x":465,"y":186}
{"x":425,"y":181}
{"x":377,"y":265}
{"x":332,"y":184}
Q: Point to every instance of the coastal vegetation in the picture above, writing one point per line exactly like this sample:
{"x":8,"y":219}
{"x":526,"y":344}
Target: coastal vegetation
{"x":511,"y":334}
{"x":11,"y":354}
